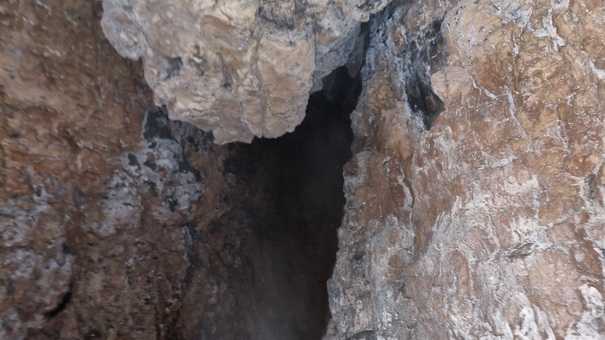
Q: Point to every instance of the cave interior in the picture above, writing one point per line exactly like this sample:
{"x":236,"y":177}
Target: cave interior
{"x":289,"y":194}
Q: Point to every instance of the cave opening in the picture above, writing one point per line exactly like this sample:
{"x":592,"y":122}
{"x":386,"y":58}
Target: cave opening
{"x":288,"y":194}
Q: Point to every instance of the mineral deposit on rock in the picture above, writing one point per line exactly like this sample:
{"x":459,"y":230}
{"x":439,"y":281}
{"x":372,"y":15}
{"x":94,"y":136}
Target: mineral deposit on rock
{"x":475,"y":195}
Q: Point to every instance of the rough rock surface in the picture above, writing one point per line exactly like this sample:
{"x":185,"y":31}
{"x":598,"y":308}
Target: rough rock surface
{"x":491,"y":223}
{"x":475,"y":196}
{"x":99,"y":206}
{"x":116,"y":223}
{"x":240,"y":68}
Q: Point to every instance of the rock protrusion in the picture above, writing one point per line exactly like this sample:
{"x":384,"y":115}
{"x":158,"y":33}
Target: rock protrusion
{"x":239,"y":68}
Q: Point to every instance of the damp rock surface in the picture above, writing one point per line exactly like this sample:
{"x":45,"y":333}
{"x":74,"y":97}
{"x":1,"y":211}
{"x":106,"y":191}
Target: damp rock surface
{"x":488,"y":222}
{"x":239,"y":68}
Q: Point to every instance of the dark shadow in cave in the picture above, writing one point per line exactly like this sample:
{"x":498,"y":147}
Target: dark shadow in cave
{"x":422,"y":57}
{"x":289,"y":198}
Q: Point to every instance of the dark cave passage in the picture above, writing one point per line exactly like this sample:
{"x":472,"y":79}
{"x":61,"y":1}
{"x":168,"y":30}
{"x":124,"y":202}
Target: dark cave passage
{"x":290,"y":199}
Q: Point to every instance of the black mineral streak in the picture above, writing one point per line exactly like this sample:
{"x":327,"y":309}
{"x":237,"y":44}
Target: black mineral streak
{"x":60,"y":306}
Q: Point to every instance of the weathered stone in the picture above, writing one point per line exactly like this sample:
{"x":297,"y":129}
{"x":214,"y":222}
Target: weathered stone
{"x":475,"y":195}
{"x":484,"y":225}
{"x":95,"y":212}
{"x":239,"y":68}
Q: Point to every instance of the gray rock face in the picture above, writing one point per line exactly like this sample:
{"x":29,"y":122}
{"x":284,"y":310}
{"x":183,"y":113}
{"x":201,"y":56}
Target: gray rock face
{"x":240,"y":68}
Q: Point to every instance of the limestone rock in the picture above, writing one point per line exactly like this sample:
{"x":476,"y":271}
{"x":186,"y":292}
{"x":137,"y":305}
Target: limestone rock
{"x":474,"y":198}
{"x":239,"y":68}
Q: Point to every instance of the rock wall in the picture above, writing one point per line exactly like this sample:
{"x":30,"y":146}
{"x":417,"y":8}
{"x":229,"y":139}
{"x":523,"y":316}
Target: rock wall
{"x":117,"y":223}
{"x":99,"y":203}
{"x":475,"y":195}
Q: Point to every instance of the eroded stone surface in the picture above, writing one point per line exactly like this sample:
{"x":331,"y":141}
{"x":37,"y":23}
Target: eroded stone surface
{"x":110,"y":218}
{"x":490,"y":224}
{"x":96,"y":203}
{"x":239,"y":68}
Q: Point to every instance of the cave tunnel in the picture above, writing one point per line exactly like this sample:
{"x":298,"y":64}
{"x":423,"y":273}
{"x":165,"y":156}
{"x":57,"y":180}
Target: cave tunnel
{"x":289,"y":194}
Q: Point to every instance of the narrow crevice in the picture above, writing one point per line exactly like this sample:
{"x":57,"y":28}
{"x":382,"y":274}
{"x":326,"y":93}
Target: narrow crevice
{"x":422,"y":56}
{"x":287,"y":197}
{"x":65,"y":299}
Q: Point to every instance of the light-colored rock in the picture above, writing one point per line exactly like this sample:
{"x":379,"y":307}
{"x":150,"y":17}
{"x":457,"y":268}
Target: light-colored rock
{"x":239,"y":68}
{"x":491,"y":224}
